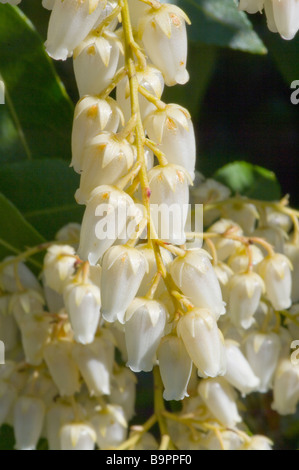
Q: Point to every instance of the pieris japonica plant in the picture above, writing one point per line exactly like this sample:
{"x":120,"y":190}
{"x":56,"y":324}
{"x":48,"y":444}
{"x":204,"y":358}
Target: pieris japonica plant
{"x":133,"y":289}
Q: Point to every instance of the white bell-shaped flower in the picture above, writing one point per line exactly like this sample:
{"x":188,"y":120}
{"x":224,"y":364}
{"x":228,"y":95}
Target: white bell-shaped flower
{"x":164,"y":36}
{"x":58,"y":415}
{"x":145,"y":322}
{"x":137,"y":10}
{"x":169,"y":202}
{"x":123,"y":269}
{"x":25,"y":278}
{"x":258,"y":443}
{"x":175,"y":367}
{"x":29,"y":414}
{"x":149,"y":254}
{"x":194,"y":274}
{"x":225,"y":440}
{"x":123,"y":391}
{"x":59,"y":266}
{"x":95,"y":364}
{"x":238,"y":371}
{"x":244,"y":295}
{"x":70,"y":22}
{"x":92,"y":115}
{"x":9,"y":332}
{"x":106,"y":215}
{"x":35,"y":332}
{"x":286,"y":17}
{"x":244,"y":214}
{"x":96,"y":62}
{"x":77,"y":436}
{"x":273,"y":235}
{"x":83,"y":302}
{"x":262,"y":352}
{"x":225,"y":246}
{"x":275,"y":270}
{"x":172,"y":129}
{"x":8,"y":395}
{"x":152,"y":80}
{"x":223,"y":273}
{"x":292,"y":252}
{"x":240,"y":260}
{"x":48,"y":4}
{"x":62,"y":367}
{"x":107,"y":158}
{"x":251,"y":6}
{"x":203,"y":342}
{"x":286,"y":388}
{"x":111,"y":426}
{"x":220,"y":398}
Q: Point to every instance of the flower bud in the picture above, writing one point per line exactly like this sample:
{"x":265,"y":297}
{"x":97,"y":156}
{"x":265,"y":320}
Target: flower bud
{"x":8,"y":394}
{"x":83,"y":303}
{"x":225,"y":246}
{"x":29,"y":414}
{"x":239,"y":373}
{"x":123,"y":269}
{"x":286,"y":388}
{"x":92,"y":115}
{"x":105,"y":218}
{"x":57,"y":416}
{"x":152,"y":80}
{"x":77,"y":436}
{"x":123,"y":391}
{"x":106,"y":159}
{"x":275,"y":270}
{"x":35,"y":331}
{"x":239,"y":261}
{"x":64,"y":371}
{"x":59,"y":266}
{"x":175,"y":367}
{"x":292,"y":252}
{"x":15,"y":278}
{"x":196,"y":278}
{"x":173,"y":130}
{"x":220,"y":399}
{"x":262,"y":352}
{"x":96,"y":62}
{"x":70,"y":22}
{"x":203,"y":342}
{"x":169,"y":202}
{"x":163,"y":33}
{"x":244,"y":295}
{"x":110,"y":426}
{"x":145,"y":322}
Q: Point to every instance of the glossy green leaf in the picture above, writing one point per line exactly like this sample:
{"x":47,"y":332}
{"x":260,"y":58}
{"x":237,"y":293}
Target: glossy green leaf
{"x":219,"y":23}
{"x":43,"y":190}
{"x":38,"y":112}
{"x":250,"y":180}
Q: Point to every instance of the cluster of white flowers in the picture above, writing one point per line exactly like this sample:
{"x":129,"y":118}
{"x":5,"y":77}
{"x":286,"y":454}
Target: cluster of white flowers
{"x":282,"y":15}
{"x":207,"y":319}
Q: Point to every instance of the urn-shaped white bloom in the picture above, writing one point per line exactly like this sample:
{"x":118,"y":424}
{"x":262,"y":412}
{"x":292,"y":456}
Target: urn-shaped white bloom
{"x":262,"y":352}
{"x":48,"y":4}
{"x":83,"y":302}
{"x":239,"y":373}
{"x":63,"y":369}
{"x":96,"y":61}
{"x":194,"y":274}
{"x":292,"y":252}
{"x":123,"y":391}
{"x":92,"y":115}
{"x":258,"y":443}
{"x":35,"y":331}
{"x":77,"y":436}
{"x":275,"y":270}
{"x":244,"y":214}
{"x":25,"y":279}
{"x":145,"y":322}
{"x":286,"y":17}
{"x":107,"y":158}
{"x":59,"y":266}
{"x":175,"y":367}
{"x":163,"y":33}
{"x":173,"y":130}
{"x":169,"y":202}
{"x":58,"y":415}
{"x":220,"y":398}
{"x":244,"y":295}
{"x":95,"y":364}
{"x":149,"y":254}
{"x":70,"y":22}
{"x":251,"y":6}
{"x":286,"y":388}
{"x":152,"y":80}
{"x":241,"y":259}
{"x":203,"y":341}
{"x":110,"y":425}
{"x":8,"y":395}
{"x":226,"y":246}
{"x":29,"y":414}
{"x":123,"y":269}
{"x":106,"y":215}
{"x":9,"y":332}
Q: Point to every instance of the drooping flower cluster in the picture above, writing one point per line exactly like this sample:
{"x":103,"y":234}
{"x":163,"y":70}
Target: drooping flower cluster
{"x":282,"y":15}
{"x":133,"y":289}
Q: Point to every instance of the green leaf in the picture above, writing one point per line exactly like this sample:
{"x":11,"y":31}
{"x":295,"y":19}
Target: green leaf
{"x":16,"y":234}
{"x":7,"y":439}
{"x":36,"y":101}
{"x":43,"y":190}
{"x":285,"y":55}
{"x":250,"y":180}
{"x":220,"y":23}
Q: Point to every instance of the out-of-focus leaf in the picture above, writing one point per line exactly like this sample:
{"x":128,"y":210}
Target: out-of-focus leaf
{"x":7,"y":439}
{"x":36,"y":100}
{"x":250,"y":180}
{"x":220,"y":23}
{"x":43,"y":190}
{"x":285,"y":55}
